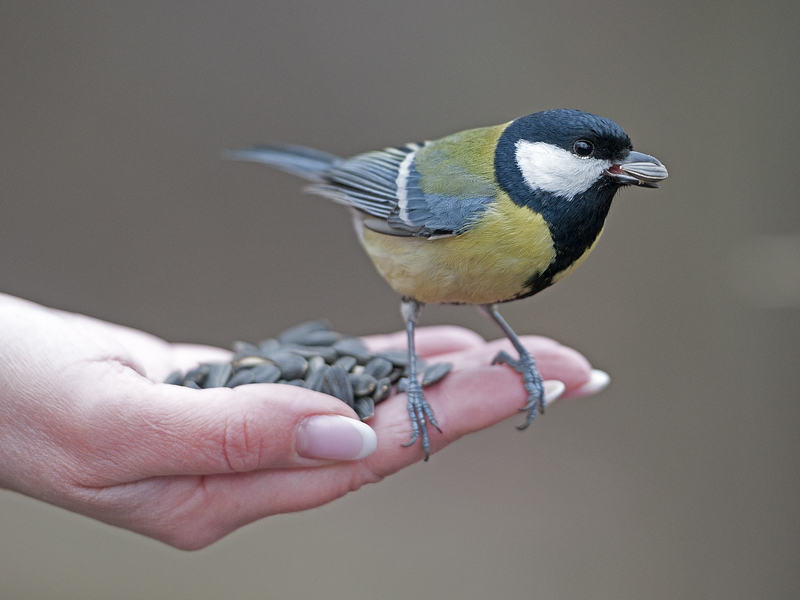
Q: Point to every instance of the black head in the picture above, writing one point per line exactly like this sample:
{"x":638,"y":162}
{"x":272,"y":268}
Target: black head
{"x":567,"y":165}
{"x":564,"y":128}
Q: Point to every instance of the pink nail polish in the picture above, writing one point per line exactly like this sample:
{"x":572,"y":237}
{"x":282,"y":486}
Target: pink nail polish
{"x":334,"y":437}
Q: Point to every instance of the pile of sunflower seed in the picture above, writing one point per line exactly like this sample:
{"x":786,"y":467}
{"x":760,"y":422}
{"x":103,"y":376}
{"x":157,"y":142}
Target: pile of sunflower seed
{"x":313,"y":356}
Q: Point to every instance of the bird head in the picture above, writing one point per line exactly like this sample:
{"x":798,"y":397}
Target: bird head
{"x":565,"y":153}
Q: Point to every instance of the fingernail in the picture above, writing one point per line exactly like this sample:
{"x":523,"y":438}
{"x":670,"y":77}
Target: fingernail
{"x":553,"y":390}
{"x":598,"y":381}
{"x":334,"y":437}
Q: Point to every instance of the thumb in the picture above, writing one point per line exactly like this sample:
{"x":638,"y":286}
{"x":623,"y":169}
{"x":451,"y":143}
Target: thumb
{"x":172,"y":430}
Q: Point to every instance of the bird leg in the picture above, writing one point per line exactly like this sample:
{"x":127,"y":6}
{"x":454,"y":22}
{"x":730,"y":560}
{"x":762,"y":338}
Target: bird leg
{"x":419,"y":410}
{"x":525,"y":366}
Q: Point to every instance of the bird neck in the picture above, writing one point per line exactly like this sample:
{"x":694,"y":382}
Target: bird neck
{"x":574,"y":224}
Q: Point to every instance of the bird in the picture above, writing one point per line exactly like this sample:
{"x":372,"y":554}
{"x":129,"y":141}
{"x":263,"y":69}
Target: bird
{"x":480,"y":217}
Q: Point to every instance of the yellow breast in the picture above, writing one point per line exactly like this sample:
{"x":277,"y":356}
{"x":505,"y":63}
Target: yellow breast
{"x":489,"y":263}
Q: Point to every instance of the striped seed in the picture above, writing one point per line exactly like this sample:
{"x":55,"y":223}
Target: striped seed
{"x":316,"y":377}
{"x":363,"y":385}
{"x":198,"y":374}
{"x":378,"y":367}
{"x":242,"y":377}
{"x":346,"y":362}
{"x":317,"y":338}
{"x":365,"y":408}
{"x":338,"y":383}
{"x":218,"y":375}
{"x":298,"y":331}
{"x":383,"y":388}
{"x":351,"y":346}
{"x":435,"y":373}
{"x":174,"y":378}
{"x":265,"y":373}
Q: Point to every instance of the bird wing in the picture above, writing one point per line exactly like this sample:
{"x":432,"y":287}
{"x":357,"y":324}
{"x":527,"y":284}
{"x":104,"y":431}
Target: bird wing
{"x":367,"y":182}
{"x":432,"y":189}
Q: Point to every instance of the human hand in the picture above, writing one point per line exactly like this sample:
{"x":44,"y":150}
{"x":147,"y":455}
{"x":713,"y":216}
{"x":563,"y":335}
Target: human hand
{"x":85,"y":426}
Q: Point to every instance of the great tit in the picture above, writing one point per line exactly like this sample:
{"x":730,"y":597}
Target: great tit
{"x":480,"y":217}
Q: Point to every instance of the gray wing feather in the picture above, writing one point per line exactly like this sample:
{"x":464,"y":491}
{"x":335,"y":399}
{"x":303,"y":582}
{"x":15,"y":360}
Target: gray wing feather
{"x":368,"y":183}
{"x":298,"y":160}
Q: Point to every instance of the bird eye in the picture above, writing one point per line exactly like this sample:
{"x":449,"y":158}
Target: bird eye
{"x":583,"y":148}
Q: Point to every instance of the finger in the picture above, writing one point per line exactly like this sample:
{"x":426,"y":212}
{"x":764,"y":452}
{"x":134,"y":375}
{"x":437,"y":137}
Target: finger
{"x":157,"y":357}
{"x":464,"y":402}
{"x":145,"y":429}
{"x":598,"y":381}
{"x":429,"y":341}
{"x":192,"y":512}
{"x":554,"y":360}
{"x":188,"y":356}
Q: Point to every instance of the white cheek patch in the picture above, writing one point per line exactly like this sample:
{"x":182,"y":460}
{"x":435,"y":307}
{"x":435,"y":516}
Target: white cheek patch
{"x":552,"y":169}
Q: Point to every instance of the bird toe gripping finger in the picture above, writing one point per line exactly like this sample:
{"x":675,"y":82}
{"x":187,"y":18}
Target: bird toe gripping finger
{"x":504,"y":358}
{"x":532,"y":380}
{"x":420,"y":413}
{"x":525,"y":366}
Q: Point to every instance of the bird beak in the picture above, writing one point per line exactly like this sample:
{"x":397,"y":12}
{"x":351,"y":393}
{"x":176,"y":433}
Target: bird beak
{"x":638,"y":169}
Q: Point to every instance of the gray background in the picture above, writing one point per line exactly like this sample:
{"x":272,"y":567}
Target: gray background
{"x":680,"y":481}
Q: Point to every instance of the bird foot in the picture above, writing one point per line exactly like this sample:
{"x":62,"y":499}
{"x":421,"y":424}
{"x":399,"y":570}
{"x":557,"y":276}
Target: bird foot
{"x":420,"y":413}
{"x":532,"y":380}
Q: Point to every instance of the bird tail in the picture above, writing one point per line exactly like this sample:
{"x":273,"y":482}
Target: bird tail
{"x":304,"y":162}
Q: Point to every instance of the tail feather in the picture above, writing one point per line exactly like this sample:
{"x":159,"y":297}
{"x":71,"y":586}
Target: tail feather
{"x":304,"y":162}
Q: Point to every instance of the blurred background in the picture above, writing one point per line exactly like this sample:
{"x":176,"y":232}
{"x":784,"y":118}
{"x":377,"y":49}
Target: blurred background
{"x":680,"y":480}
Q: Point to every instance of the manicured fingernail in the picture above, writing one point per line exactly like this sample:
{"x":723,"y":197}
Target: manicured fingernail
{"x":553,"y":390}
{"x":334,"y":437}
{"x":598,"y":381}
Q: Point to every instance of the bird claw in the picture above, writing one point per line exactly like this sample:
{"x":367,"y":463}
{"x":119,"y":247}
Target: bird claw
{"x":505,"y":358}
{"x":532,"y":380}
{"x":420,"y":413}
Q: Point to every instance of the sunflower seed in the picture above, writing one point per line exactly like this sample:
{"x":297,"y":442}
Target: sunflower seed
{"x":265,"y":373}
{"x":383,"y":388}
{"x":317,"y":338}
{"x":365,"y":408}
{"x":396,"y":374}
{"x":314,"y":363}
{"x":326,"y":352}
{"x":339,"y":384}
{"x":267,"y":345}
{"x":298,"y":331}
{"x":244,"y":348}
{"x":363,"y":385}
{"x":301,"y":356}
{"x":198,"y":374}
{"x":435,"y":373}
{"x":354,"y":347}
{"x":191,"y":384}
{"x":242,"y":377}
{"x":378,"y":367}
{"x":402,"y":385}
{"x":218,"y":375}
{"x":316,"y":377}
{"x":174,"y":378}
{"x":245,"y":362}
{"x":291,"y":365}
{"x":399,"y":358}
{"x":346,"y":362}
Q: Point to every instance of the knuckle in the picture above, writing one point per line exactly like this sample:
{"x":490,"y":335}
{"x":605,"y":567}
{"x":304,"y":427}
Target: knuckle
{"x":241,"y":443}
